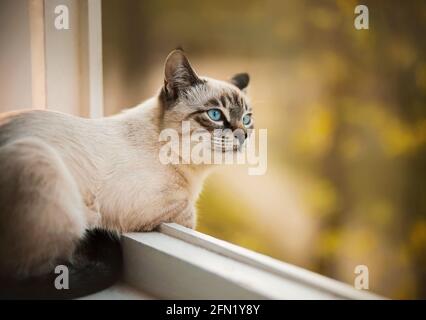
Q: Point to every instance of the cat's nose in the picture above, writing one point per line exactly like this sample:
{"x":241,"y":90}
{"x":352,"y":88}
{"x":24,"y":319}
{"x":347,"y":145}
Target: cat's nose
{"x":240,"y":135}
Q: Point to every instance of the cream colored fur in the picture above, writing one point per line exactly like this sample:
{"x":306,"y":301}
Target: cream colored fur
{"x":61,"y":175}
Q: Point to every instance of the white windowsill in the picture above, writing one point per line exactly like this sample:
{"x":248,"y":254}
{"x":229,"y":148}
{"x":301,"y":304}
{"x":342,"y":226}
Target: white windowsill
{"x":179,"y":263}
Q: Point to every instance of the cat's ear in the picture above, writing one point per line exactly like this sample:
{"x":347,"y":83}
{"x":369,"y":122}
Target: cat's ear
{"x":241,"y":80}
{"x":178,"y":73}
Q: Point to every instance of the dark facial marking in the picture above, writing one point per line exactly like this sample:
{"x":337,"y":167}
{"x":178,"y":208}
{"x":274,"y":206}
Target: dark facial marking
{"x":242,"y":102}
{"x":192,"y":114}
{"x":223,"y":101}
{"x":236,"y":112}
{"x":236,"y":99}
{"x":213,"y":102}
{"x":206,"y":123}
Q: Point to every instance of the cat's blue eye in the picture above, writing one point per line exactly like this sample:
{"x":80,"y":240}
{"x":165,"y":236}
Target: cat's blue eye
{"x":247,"y":120}
{"x":215,"y":114}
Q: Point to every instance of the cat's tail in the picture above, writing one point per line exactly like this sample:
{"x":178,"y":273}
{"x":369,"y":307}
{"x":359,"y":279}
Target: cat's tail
{"x":96,"y":265}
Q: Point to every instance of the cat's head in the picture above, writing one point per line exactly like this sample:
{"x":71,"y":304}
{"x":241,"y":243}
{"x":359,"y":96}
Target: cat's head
{"x":207,"y":104}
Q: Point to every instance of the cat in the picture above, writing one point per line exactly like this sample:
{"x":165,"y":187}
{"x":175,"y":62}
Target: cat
{"x":62,"y":176}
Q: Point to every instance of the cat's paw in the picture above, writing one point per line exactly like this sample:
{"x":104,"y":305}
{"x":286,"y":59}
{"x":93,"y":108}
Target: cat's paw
{"x":189,"y":223}
{"x":187,"y":218}
{"x":170,"y":213}
{"x":147,"y":228}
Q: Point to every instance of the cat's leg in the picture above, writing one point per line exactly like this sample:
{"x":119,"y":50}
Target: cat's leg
{"x":181,"y":212}
{"x":169,"y":213}
{"x":186,"y":217}
{"x":41,"y":210}
{"x":93,"y":214}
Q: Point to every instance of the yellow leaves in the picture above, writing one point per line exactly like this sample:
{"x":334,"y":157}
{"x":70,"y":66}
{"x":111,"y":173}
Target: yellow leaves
{"x":361,"y":240}
{"x":323,"y":18}
{"x":321,"y":196}
{"x":334,"y":67}
{"x":314,"y":136}
{"x":354,"y":242}
{"x":402,"y":53}
{"x":398,"y":138}
{"x":329,"y":242}
{"x":347,"y":6}
{"x":394,"y":135}
{"x":381,"y":212}
{"x":350,"y":148}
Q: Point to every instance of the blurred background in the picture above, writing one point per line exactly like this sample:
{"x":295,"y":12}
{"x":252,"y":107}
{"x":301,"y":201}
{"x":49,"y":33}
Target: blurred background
{"x":345,"y":112}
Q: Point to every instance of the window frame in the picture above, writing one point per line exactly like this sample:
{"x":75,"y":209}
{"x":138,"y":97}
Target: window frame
{"x":175,"y":262}
{"x":66,"y":64}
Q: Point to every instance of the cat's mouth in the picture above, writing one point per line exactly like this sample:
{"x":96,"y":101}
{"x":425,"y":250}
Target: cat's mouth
{"x":224,"y":145}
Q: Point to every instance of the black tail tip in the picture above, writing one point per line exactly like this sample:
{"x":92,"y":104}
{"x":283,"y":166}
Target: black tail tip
{"x":97,"y":265}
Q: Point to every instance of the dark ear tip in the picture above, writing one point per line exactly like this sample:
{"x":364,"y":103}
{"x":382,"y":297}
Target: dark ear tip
{"x":245,"y":76}
{"x":241,"y":80}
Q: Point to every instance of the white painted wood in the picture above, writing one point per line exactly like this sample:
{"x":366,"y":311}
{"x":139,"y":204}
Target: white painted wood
{"x":63,"y":74}
{"x":268,"y":264}
{"x":189,"y":266}
{"x":42,"y":66}
{"x":96,"y":100}
{"x":15,"y":56}
{"x":38,"y":54}
{"x":74,"y":78}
